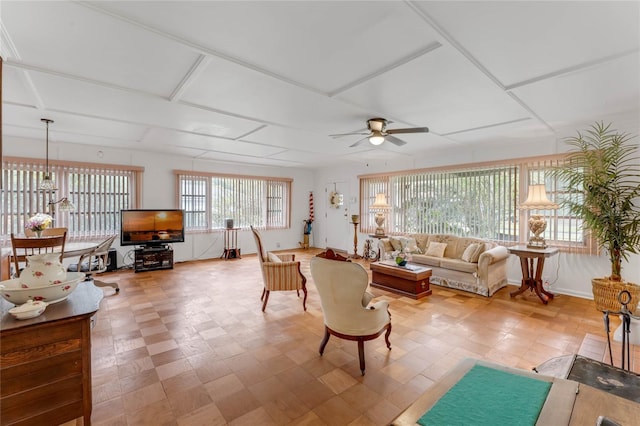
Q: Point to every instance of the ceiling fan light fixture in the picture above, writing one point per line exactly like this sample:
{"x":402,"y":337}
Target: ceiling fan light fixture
{"x":376,"y":139}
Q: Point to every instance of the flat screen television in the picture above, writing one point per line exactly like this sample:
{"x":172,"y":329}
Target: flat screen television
{"x":151,"y":227}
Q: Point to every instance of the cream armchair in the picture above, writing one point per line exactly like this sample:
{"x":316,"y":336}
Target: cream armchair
{"x":346,"y":306}
{"x":280,"y":272}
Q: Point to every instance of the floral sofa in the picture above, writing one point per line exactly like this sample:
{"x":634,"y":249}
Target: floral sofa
{"x":463,"y":263}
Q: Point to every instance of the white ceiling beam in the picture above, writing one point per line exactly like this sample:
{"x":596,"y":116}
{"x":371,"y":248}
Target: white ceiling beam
{"x":429,"y":48}
{"x":489,"y":126}
{"x":193,"y":73}
{"x":202,"y":49}
{"x":23,"y":66}
{"x":7,"y":47}
{"x":475,"y":62}
{"x":28,"y":81}
{"x":572,"y":69}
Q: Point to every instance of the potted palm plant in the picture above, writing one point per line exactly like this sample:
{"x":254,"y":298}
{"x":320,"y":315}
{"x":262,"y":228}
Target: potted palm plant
{"x":604,"y":168}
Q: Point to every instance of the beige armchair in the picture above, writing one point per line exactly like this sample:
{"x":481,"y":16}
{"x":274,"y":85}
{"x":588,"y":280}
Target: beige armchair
{"x":348,"y":313}
{"x":280,"y":272}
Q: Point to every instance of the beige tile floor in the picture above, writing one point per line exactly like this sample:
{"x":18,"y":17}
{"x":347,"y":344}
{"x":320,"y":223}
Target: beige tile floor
{"x":191,"y":346}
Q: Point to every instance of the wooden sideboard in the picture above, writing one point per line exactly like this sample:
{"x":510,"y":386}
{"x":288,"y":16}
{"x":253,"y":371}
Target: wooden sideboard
{"x":45,"y":362}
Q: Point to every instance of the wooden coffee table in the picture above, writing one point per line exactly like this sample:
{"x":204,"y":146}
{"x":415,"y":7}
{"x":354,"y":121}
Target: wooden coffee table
{"x":411,"y":281}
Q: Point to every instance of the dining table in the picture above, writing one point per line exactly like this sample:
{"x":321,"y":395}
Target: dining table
{"x":71,"y":249}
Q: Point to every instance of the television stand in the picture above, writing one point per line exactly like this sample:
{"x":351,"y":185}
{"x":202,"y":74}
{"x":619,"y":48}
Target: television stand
{"x":153,"y":258}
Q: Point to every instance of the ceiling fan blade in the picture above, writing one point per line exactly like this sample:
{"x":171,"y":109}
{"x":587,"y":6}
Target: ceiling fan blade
{"x":410,"y":130}
{"x":355,"y":132}
{"x":394,"y":140}
{"x":360,"y":142}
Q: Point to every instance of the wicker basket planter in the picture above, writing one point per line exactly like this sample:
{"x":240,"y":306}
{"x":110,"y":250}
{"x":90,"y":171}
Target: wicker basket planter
{"x":605,"y":294}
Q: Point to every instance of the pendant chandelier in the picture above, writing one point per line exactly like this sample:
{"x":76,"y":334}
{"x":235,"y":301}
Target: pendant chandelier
{"x":47,"y":184}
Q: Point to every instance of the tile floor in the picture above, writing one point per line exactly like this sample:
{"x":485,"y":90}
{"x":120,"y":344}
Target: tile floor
{"x":190,"y":346}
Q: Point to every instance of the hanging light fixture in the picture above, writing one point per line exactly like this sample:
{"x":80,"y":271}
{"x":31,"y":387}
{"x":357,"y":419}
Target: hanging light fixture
{"x":47,"y":184}
{"x":65,"y":204}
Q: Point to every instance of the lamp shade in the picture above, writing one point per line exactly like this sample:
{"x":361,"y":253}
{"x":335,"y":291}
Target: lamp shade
{"x":537,"y":199}
{"x":66,"y":205}
{"x":47,"y":184}
{"x":380,"y":203}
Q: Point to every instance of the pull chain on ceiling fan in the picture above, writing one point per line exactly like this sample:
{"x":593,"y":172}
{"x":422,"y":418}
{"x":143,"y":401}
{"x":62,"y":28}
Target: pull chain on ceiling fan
{"x":378,"y":133}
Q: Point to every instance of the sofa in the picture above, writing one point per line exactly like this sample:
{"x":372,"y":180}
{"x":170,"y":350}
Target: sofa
{"x":463,"y":263}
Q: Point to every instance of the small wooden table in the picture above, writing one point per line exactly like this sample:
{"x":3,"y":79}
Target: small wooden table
{"x":410,"y":280}
{"x":532,"y":264}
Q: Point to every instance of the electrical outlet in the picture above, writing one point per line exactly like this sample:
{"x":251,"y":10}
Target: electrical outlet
{"x":277,"y":245}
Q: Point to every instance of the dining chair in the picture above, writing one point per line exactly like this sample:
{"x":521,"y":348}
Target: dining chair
{"x":23,"y":247}
{"x":347,"y":305}
{"x":96,"y":261}
{"x":47,"y":232}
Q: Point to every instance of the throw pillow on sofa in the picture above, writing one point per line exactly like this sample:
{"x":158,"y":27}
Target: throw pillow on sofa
{"x":472,"y":252}
{"x":469,"y":252}
{"x":412,"y":246}
{"x":396,"y":243}
{"x":387,"y":245}
{"x":481,"y":248}
{"x":436,"y":249}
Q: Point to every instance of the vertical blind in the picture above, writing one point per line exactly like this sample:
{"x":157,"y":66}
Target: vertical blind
{"x":480,"y":201}
{"x":209,"y":199}
{"x":98,"y":193}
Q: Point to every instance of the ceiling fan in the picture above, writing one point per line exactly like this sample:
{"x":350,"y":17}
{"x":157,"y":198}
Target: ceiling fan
{"x":378,"y":133}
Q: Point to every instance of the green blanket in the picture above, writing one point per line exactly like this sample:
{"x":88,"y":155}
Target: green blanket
{"x":486,"y":396}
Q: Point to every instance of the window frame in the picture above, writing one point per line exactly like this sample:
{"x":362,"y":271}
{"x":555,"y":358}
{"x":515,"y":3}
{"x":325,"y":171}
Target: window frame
{"x":252,"y":183}
{"x":530,"y":170}
{"x":21,"y":197}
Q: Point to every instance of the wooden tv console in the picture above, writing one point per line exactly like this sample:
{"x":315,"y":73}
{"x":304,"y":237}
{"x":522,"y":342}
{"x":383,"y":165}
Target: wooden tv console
{"x":153,"y":258}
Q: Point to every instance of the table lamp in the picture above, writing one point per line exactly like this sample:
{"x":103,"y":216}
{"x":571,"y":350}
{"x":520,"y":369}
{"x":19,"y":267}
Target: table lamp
{"x":380,"y":208}
{"x":537,"y":200}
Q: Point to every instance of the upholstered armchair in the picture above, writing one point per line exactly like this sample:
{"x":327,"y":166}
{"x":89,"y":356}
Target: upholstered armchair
{"x":346,"y":304}
{"x":280,"y":272}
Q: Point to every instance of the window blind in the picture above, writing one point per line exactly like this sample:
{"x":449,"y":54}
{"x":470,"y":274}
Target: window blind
{"x":209,"y":199}
{"x":479,"y":200}
{"x":98,"y":192}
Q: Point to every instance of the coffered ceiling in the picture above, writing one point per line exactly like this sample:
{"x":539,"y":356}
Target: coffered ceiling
{"x":267,"y":82}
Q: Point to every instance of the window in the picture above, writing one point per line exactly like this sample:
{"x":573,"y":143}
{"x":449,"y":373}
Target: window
{"x":208,"y":199}
{"x":467,"y":202}
{"x":474,"y":200}
{"x":98,"y":192}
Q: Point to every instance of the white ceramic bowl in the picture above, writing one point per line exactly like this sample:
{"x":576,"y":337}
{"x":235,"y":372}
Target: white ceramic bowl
{"x":15,"y":292}
{"x":28,"y":310}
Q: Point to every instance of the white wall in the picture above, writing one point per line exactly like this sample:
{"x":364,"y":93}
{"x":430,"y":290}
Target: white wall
{"x":159,"y":192}
{"x":567,"y":273}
